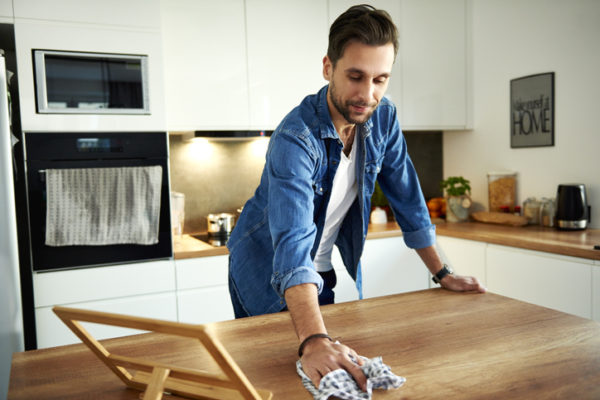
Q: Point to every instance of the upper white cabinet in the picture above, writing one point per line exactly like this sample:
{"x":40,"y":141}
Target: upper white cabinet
{"x":6,"y":11}
{"x":130,"y":13}
{"x":428,"y":84}
{"x":206,"y":79}
{"x":131,"y":27}
{"x":246,"y":64}
{"x":433,"y":56}
{"x":287,"y":41}
{"x":233,"y":64}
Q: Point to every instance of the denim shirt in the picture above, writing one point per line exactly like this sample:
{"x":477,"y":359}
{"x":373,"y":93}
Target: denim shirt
{"x":277,"y":235}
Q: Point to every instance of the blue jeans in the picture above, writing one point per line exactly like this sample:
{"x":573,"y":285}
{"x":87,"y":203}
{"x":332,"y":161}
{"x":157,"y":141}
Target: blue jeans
{"x":327,"y":295}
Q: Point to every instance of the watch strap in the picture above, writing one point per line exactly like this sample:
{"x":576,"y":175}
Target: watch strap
{"x":437,"y":278}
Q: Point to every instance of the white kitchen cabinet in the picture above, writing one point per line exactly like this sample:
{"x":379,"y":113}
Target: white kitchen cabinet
{"x":345,"y":288}
{"x":429,"y":78}
{"x":465,"y":257}
{"x":596,"y":292}
{"x":130,"y":13}
{"x":90,"y":284}
{"x":141,"y":289}
{"x":6,"y":11}
{"x":434,"y":64}
{"x":558,"y":282}
{"x":206,"y":78}
{"x":51,"y":331}
{"x":202,"y":290}
{"x":36,"y":34}
{"x":287,"y":41}
{"x":390,"y":267}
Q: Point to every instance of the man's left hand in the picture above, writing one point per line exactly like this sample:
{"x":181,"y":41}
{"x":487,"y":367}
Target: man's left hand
{"x":460,"y":283}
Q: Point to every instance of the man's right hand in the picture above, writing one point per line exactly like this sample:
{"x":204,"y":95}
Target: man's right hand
{"x":322,"y":356}
{"x":319,"y":355}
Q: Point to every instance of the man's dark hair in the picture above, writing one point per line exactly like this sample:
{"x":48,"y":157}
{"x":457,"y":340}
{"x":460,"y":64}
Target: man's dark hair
{"x":362,"y":23}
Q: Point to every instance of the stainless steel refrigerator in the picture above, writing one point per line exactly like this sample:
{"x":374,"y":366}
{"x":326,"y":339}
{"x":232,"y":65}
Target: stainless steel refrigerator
{"x":11,"y":321}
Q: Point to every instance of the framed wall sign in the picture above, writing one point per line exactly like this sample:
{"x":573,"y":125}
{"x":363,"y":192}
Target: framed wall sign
{"x":532,"y":111}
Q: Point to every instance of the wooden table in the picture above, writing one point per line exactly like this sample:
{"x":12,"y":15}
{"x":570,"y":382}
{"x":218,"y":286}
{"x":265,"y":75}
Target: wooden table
{"x":447,"y":345}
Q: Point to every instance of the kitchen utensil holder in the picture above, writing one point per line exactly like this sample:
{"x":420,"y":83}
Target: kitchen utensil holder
{"x":153,"y":378}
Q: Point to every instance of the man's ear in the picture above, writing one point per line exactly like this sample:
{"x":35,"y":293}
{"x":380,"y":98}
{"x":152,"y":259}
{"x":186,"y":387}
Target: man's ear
{"x":327,"y":68}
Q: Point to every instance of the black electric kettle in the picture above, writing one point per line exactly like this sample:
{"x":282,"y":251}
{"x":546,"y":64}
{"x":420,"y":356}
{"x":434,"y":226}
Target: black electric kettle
{"x":572,"y":209}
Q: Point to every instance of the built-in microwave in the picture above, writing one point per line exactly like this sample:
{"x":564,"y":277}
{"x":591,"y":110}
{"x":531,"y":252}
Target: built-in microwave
{"x":69,"y":82}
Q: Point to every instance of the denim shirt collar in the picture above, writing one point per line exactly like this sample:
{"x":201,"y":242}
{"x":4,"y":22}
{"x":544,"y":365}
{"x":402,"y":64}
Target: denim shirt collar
{"x":325,"y":122}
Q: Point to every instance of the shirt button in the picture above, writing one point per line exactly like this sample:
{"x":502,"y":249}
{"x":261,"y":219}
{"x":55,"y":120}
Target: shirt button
{"x":320,"y":189}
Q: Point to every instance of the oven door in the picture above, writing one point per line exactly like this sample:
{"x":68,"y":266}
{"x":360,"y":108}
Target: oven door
{"x":52,"y":258}
{"x":47,"y":258}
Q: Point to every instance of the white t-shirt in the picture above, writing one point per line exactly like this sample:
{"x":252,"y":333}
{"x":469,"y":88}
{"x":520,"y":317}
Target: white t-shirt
{"x":343,"y":194}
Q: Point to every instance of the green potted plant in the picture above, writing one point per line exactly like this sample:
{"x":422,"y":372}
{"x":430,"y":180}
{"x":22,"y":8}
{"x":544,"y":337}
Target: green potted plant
{"x":458,"y":198}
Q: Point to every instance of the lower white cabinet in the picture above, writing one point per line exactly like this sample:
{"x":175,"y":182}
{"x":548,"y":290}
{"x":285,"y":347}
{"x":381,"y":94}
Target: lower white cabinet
{"x":558,"y":282}
{"x":465,"y":257}
{"x":202,"y":290}
{"x":345,"y":288}
{"x":390,"y":267}
{"x":141,"y":289}
{"x":51,"y":331}
{"x":563,"y":283}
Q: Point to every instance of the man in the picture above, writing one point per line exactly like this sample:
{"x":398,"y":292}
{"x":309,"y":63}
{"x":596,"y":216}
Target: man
{"x":315,"y":192}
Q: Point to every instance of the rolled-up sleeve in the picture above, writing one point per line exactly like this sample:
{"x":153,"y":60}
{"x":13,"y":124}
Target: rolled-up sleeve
{"x":296,"y":276}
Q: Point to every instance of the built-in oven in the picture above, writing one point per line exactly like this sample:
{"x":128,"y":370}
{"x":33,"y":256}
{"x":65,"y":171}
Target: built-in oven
{"x":97,"y":198}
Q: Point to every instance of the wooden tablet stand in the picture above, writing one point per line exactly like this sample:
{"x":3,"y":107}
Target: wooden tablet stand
{"x":154,"y":378}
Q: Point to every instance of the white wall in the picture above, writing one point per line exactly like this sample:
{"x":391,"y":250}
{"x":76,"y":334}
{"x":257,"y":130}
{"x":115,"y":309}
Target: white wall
{"x":516,"y":38}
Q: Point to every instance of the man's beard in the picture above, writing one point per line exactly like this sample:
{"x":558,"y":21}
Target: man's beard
{"x":344,"y":109}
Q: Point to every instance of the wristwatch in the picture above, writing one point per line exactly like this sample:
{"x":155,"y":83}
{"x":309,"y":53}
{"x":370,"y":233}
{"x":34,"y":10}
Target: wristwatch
{"x":437,"y":278}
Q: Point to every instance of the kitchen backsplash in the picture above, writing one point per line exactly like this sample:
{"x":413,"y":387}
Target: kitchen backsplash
{"x":220,"y":176}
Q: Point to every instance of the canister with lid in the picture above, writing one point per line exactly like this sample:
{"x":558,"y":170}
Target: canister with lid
{"x":502,"y":190}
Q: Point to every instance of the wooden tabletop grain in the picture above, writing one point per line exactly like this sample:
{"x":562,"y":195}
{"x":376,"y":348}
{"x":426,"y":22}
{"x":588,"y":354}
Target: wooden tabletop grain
{"x":447,"y":345}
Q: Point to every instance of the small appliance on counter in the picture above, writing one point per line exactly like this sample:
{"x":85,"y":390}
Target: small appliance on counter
{"x":572,"y":209}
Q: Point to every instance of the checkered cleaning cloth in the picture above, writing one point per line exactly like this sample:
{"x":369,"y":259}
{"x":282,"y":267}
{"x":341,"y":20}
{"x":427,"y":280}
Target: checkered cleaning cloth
{"x":339,"y":383}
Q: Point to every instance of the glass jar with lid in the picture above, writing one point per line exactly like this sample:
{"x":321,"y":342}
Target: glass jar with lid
{"x":531,"y":210}
{"x":502,"y":190}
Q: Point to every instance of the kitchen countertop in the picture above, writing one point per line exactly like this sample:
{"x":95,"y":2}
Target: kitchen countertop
{"x":568,"y":243}
{"x":447,"y":345}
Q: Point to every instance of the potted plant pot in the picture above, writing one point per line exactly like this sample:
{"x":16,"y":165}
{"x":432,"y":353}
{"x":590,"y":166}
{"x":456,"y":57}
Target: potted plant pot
{"x":457,"y":208}
{"x":458,"y":200}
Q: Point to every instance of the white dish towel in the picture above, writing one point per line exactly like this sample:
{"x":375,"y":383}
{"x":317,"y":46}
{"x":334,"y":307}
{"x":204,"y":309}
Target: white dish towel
{"x":103,"y":206}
